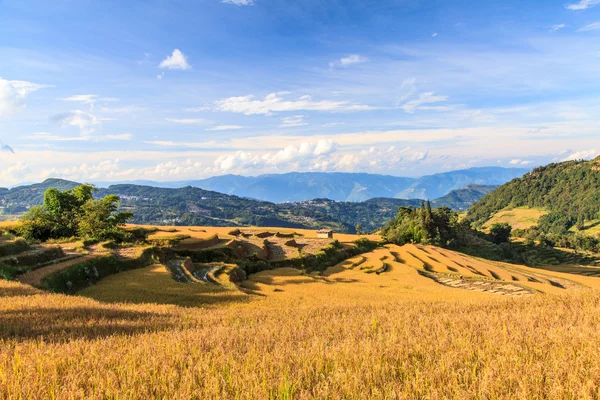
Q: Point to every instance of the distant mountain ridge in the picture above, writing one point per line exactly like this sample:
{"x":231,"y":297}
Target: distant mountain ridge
{"x":195,"y":206}
{"x":340,"y":186}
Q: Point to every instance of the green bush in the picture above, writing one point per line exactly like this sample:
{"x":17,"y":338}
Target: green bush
{"x":90,"y":272}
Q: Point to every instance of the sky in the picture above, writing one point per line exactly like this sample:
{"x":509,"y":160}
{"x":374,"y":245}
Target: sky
{"x":171,"y":90}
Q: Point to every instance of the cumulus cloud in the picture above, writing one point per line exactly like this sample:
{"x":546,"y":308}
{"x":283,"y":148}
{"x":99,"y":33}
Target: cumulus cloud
{"x":239,"y":159}
{"x":582,"y":155}
{"x":224,"y":128}
{"x":423,"y":101}
{"x":293,"y":121}
{"x":15,"y":173}
{"x":301,"y":156}
{"x":177,"y":60}
{"x":519,"y":162}
{"x":347,"y":61}
{"x":85,"y":121}
{"x":239,"y":2}
{"x":324,"y":147}
{"x":591,"y":27}
{"x":13,"y":95}
{"x":274,"y":102}
{"x":582,"y":5}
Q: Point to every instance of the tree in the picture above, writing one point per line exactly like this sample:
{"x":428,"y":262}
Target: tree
{"x":358,"y":229}
{"x":74,"y":212}
{"x":580,"y":222}
{"x":501,"y":233}
{"x":100,"y":219}
{"x":37,"y":224}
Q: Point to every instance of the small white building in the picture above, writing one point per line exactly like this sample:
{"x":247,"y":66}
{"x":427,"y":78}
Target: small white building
{"x":325,"y":234}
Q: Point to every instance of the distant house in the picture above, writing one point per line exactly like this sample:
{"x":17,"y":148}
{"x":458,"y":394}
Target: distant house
{"x":325,"y":234}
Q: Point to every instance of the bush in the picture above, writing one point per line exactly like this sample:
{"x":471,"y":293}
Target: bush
{"x":501,"y":233}
{"x":88,"y":273}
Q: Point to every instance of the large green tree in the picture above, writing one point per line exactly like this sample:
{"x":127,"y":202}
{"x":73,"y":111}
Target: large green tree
{"x":74,"y":213}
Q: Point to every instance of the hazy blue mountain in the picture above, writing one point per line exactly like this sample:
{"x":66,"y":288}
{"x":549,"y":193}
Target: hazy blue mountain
{"x":438,"y":185}
{"x":462,"y":199}
{"x":339,"y":186}
{"x":352,"y":187}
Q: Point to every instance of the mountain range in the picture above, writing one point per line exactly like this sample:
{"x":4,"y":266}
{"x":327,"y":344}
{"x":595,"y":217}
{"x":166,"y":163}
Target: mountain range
{"x":352,"y":187}
{"x":195,"y":206}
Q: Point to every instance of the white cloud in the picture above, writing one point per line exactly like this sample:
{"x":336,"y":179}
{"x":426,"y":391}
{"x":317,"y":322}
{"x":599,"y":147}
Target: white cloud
{"x":324,"y":147}
{"x":85,"y":121}
{"x":582,"y":155}
{"x":591,"y":27}
{"x":293,"y":121}
{"x":224,"y":128}
{"x":275,"y":103}
{"x":14,"y":174}
{"x":82,"y":98}
{"x":188,"y":121}
{"x":13,"y":95}
{"x":434,"y":35}
{"x":582,"y":5}
{"x":239,"y":2}
{"x":557,"y":27}
{"x":520,"y":162}
{"x":239,"y":159}
{"x":160,"y":76}
{"x":350,"y":60}
{"x":421,"y":103}
{"x":292,"y":157}
{"x":419,"y":156}
{"x":177,"y":60}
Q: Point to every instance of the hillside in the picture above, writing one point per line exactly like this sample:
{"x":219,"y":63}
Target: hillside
{"x":19,"y":198}
{"x":569,"y":192}
{"x":462,"y":199}
{"x":295,"y":187}
{"x":183,"y":328}
{"x":194,"y":206}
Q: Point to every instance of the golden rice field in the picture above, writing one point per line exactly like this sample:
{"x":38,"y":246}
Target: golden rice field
{"x":396,"y":323}
{"x":518,"y":218}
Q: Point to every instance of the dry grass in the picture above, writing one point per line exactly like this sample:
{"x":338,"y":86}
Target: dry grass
{"x":74,"y":348}
{"x":591,"y":228}
{"x":205,"y":232}
{"x":347,"y":333}
{"x":518,"y":218}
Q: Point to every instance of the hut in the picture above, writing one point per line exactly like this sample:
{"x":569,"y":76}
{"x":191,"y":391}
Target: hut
{"x":325,"y":234}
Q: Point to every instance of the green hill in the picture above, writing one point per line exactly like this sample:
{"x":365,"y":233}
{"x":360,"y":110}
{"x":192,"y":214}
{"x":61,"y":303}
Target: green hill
{"x":569,"y":192}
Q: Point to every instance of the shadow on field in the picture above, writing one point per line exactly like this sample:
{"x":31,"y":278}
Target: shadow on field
{"x":267,"y":280}
{"x":72,"y":323}
{"x":18,"y":290}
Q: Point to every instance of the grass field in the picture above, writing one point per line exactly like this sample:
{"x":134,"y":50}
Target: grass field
{"x":399,"y":322}
{"x":591,"y":228}
{"x":518,"y":218}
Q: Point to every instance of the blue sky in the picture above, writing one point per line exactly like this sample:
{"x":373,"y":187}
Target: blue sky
{"x":173,"y":90}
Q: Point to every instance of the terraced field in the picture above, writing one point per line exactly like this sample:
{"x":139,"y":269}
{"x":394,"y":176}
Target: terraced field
{"x":518,"y":218}
{"x":397,"y":322}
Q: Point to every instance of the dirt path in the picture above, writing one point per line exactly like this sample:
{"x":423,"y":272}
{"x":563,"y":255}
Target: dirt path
{"x":34,"y":278}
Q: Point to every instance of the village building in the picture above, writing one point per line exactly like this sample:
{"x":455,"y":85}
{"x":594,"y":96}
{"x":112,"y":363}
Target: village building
{"x":325,"y":234}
